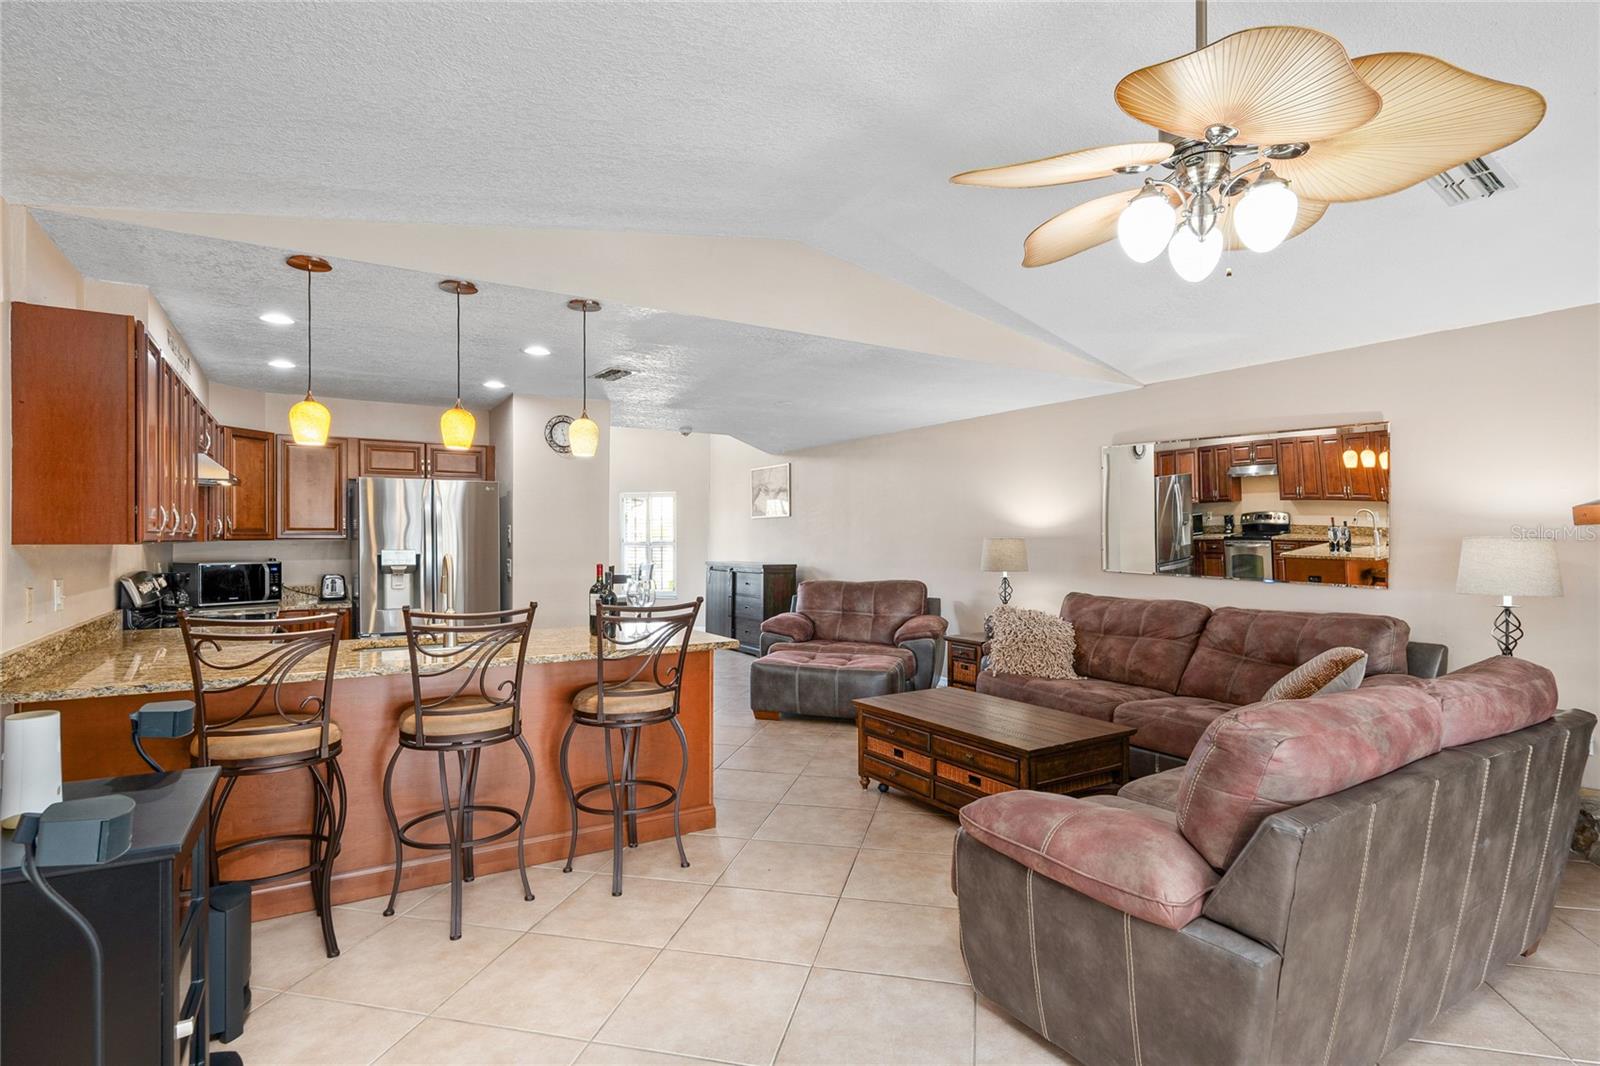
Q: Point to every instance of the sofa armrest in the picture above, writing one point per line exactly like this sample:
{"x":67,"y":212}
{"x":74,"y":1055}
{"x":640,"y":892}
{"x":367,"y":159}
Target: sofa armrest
{"x":923,"y":625}
{"x":1131,"y":861}
{"x":791,"y":624}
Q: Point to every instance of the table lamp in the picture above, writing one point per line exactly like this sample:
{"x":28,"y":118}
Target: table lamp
{"x":1004,"y":556}
{"x":1508,"y":567}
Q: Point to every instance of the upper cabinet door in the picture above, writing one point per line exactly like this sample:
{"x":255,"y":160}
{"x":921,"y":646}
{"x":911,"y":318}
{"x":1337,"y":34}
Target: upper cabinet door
{"x":155,"y":518}
{"x":473,"y":464}
{"x":248,"y":509}
{"x":311,"y":486}
{"x":1361,"y":480}
{"x":391,"y":458}
{"x":1335,"y":478}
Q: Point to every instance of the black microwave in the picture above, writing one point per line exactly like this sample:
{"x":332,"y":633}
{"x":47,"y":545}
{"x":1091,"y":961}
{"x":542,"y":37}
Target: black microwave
{"x":222,"y":584}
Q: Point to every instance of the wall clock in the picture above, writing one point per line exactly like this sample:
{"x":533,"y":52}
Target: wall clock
{"x":555,"y":434}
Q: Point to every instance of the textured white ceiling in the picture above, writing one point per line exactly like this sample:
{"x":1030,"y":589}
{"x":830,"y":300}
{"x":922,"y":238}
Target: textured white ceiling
{"x":381,"y":333}
{"x":832,"y":123}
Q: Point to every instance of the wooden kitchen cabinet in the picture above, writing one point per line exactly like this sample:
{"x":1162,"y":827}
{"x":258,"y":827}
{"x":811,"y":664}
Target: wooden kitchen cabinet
{"x":1360,"y":482}
{"x":470,"y":464}
{"x":249,"y":509}
{"x":346,"y":630}
{"x":390,"y":458}
{"x":1216,"y":486}
{"x":310,"y":489}
{"x":1180,"y":461}
{"x":1253,"y":451}
{"x":1340,"y":571}
{"x":1299,"y":469}
{"x":1207,"y":560}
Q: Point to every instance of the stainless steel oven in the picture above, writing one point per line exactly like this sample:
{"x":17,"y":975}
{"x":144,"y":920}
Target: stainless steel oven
{"x":225,"y":584}
{"x":1247,"y":560}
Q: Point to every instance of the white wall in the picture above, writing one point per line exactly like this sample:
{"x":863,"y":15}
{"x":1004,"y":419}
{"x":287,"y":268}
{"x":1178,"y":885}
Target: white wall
{"x":648,"y":460}
{"x":33,"y":270}
{"x":1492,"y":427}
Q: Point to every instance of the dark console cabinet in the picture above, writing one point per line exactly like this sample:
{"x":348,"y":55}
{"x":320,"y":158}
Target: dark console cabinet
{"x":148,"y":907}
{"x":740,"y":596}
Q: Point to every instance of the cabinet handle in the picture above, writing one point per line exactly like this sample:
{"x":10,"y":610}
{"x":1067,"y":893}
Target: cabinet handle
{"x":229,"y":520}
{"x":194,"y":524}
{"x":162,"y":528}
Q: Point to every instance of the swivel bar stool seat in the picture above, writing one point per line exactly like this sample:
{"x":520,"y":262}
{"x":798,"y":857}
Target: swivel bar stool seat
{"x":249,"y":724}
{"x":658,"y":638}
{"x":471,"y":714}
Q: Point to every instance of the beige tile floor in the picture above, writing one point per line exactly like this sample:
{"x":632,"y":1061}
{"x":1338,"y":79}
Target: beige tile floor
{"x":814,"y":925}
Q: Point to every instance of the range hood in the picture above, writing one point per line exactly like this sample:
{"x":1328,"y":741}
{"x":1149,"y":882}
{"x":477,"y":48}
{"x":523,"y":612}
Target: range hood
{"x":1254,"y":470}
{"x":212,"y":472}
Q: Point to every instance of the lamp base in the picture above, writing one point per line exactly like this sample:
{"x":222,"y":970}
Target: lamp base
{"x":1507,"y":630}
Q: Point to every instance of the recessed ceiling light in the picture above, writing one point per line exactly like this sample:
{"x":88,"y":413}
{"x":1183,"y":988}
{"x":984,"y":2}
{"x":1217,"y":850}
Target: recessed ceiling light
{"x":536,"y":350}
{"x":280,"y":363}
{"x":277,"y":318}
{"x":494,"y":383}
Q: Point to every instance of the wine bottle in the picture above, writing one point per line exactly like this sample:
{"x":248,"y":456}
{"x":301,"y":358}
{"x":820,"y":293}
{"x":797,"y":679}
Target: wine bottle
{"x":596,"y":592}
{"x":609,"y":598}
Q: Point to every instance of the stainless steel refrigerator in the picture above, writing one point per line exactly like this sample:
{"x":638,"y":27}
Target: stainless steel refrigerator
{"x":425,"y":544}
{"x":1174,"y":527}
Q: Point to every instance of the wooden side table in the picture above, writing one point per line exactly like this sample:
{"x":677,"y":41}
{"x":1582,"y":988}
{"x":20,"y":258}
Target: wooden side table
{"x":963,"y":659}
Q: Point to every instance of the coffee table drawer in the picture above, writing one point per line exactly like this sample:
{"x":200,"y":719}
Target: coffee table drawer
{"x":988,"y":763}
{"x":969,"y":780}
{"x":904,"y":735}
{"x":885,"y":771}
{"x":899,"y":753}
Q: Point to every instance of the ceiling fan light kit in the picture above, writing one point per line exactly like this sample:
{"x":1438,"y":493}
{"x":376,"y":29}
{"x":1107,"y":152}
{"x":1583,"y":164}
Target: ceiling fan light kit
{"x":1261,"y":131}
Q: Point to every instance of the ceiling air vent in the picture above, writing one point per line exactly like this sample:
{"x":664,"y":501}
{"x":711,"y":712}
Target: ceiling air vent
{"x":612,"y":373}
{"x":1473,"y":180}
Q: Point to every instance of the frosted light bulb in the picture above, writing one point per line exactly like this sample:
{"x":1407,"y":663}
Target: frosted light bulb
{"x":1265,"y":214}
{"x":1192,"y":256}
{"x":1145,"y":226}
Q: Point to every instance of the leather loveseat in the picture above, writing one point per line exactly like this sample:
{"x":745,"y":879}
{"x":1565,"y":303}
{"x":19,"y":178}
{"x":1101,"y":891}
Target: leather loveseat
{"x":846,"y":640}
{"x":1319,"y":882}
{"x":1169,"y":668}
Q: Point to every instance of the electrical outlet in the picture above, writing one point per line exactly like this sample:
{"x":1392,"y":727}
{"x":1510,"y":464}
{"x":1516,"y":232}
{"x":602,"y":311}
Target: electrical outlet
{"x":27,"y":603}
{"x":58,"y":594}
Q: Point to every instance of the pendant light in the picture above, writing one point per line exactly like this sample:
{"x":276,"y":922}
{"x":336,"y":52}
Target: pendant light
{"x":457,"y":425}
{"x":309,"y":421}
{"x":584,"y":435}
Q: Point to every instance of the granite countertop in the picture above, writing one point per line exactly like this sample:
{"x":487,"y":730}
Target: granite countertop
{"x":1210,"y":536}
{"x":303,"y":597}
{"x":134,"y":662}
{"x":1322,"y":551}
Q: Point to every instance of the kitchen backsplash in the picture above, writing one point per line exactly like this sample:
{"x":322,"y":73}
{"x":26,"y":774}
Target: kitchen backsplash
{"x":1261,"y":494}
{"x":304,"y":561}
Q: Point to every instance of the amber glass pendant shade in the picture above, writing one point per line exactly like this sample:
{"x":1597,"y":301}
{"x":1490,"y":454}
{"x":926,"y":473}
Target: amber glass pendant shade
{"x":457,"y":428}
{"x":584,"y":436}
{"x":1369,"y":458}
{"x":309,"y":422}
{"x":1351,"y":459}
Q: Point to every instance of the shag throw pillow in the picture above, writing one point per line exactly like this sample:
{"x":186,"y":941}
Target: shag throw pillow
{"x":1334,"y":670}
{"x":1032,"y":643}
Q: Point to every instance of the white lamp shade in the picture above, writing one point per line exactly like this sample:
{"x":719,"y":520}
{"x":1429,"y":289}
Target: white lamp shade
{"x":30,"y":768}
{"x":1265,"y":214}
{"x":1192,"y":256}
{"x":1145,"y":226}
{"x":1508,"y":566}
{"x":1005,"y":555}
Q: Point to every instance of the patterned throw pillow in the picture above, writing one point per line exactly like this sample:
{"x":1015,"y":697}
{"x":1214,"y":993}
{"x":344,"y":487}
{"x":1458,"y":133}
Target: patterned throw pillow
{"x":1032,"y":643}
{"x":1334,"y":670}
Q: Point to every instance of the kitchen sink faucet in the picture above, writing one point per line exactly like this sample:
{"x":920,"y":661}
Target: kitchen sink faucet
{"x":1377,"y":531}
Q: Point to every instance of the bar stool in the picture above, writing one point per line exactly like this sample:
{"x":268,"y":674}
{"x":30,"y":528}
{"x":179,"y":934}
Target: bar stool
{"x":658,"y":637}
{"x":471,"y":716}
{"x":271,"y":732}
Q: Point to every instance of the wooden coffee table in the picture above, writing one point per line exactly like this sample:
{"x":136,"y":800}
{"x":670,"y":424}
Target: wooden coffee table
{"x":950,"y":746}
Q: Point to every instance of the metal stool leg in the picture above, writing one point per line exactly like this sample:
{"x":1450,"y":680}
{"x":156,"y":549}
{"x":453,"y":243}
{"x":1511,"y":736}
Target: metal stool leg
{"x":344,"y":804}
{"x":315,"y":844}
{"x":394,"y":829}
{"x":572,"y":796}
{"x":522,"y":826}
{"x":214,"y":865}
{"x":618,"y":804}
{"x":469,"y":789}
{"x":677,"y":795}
{"x":455,"y":851}
{"x":322,"y":883}
{"x":630,"y":771}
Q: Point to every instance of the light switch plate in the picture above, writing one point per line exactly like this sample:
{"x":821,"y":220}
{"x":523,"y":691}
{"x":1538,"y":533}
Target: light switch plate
{"x":27,"y":603}
{"x":58,"y":594}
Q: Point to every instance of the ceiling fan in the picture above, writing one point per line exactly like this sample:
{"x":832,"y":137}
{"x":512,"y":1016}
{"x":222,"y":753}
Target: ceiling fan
{"x":1261,"y":131}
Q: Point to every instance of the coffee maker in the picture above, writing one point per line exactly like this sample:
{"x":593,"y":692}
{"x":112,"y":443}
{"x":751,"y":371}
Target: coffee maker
{"x":149,"y":600}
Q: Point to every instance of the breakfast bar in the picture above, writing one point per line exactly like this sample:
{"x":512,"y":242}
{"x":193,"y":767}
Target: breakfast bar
{"x":99,"y":683}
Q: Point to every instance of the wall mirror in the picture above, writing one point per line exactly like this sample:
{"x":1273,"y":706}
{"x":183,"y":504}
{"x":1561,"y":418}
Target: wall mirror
{"x":1297,"y":507}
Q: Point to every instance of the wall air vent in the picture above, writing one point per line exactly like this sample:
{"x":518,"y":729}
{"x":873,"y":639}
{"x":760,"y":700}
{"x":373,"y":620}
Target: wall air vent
{"x":611,"y":373}
{"x":1473,"y":180}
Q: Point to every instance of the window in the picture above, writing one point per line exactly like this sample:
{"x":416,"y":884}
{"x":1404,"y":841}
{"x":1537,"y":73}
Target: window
{"x":649,"y":533}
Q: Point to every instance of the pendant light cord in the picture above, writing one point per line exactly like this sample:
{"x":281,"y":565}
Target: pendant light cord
{"x":308,"y":333}
{"x":585,"y":362}
{"x":458,"y":344}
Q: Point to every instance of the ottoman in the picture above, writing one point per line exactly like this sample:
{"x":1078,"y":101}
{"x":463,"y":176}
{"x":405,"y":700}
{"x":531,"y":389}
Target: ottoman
{"x":820,"y":682}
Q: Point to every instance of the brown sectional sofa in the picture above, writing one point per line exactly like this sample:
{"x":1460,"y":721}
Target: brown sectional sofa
{"x":1316,"y":884}
{"x":1169,"y":668}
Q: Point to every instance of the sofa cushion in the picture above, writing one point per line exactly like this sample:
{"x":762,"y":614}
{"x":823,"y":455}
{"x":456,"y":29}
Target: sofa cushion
{"x":844,"y":654}
{"x":1155,"y":790}
{"x":1087,"y":696}
{"x":1134,"y":642}
{"x":1128,"y":859}
{"x":1332,"y":671}
{"x":1495,"y":696}
{"x":1242,"y":652}
{"x":1031,"y":643}
{"x":1266,"y":758}
{"x":1171,"y":725}
{"x":868,"y":611}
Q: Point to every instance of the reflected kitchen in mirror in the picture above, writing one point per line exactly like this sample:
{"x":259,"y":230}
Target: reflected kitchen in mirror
{"x":1300,"y":506}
